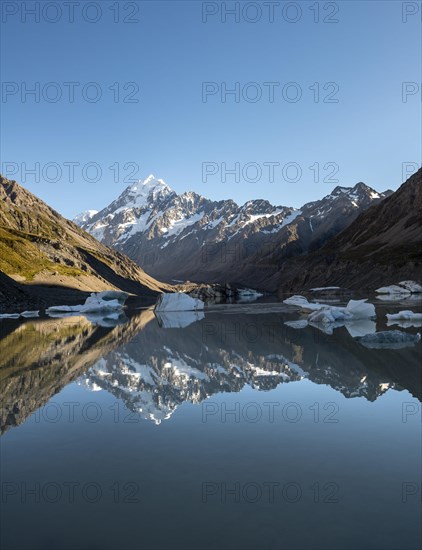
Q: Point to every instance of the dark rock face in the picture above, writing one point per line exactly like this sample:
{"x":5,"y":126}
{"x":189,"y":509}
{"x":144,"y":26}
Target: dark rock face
{"x":179,"y":237}
{"x":382,"y":246}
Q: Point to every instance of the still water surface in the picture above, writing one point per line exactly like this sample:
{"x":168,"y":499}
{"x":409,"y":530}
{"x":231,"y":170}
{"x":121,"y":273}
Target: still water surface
{"x":235,"y":432}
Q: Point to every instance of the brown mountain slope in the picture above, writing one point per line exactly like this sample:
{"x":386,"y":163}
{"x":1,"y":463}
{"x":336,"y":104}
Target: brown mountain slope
{"x":40,"y":247}
{"x":382,"y":246}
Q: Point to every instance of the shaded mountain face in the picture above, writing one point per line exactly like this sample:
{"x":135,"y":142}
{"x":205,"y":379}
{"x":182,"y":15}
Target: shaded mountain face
{"x":40,"y":247}
{"x":382,"y":246}
{"x":189,"y":237}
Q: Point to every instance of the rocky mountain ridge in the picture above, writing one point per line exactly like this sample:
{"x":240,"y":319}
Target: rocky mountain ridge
{"x":188,"y":237}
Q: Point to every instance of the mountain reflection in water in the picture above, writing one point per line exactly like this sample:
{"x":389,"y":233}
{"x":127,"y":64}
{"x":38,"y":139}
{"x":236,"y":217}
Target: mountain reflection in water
{"x":154,"y":365}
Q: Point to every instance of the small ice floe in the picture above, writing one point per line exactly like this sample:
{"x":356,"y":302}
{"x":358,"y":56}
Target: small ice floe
{"x":405,"y":319}
{"x":178,"y":301}
{"x":178,"y":319}
{"x":412,"y":286}
{"x":302,"y":303}
{"x":17,"y":315}
{"x":109,"y":300}
{"x":10,"y":315}
{"x":248,"y":295}
{"x":323,"y":288}
{"x":30,"y":314}
{"x":403,"y":288}
{"x":389,"y":339}
{"x":404,"y":315}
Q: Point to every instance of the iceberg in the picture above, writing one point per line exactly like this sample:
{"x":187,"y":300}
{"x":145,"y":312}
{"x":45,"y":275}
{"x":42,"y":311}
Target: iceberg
{"x":389,"y":339}
{"x":17,"y":315}
{"x":321,"y":288}
{"x":403,"y":288}
{"x":392,"y":289}
{"x":109,"y":300}
{"x":248,"y":295}
{"x":9,"y":315}
{"x":30,"y":314}
{"x":355,"y":327}
{"x":302,"y":302}
{"x":412,"y":286}
{"x":100,"y":308}
{"x":324,"y":313}
{"x":178,"y":301}
{"x":404,"y":315}
{"x":356,"y":316}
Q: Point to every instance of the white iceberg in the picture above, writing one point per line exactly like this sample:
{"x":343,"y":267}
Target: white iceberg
{"x":178,"y":301}
{"x":393,"y":289}
{"x":404,"y":315}
{"x":321,"y":288}
{"x":389,"y":339}
{"x":403,"y":288}
{"x":302,"y":302}
{"x":248,"y":294}
{"x":9,"y":315}
{"x":356,"y":316}
{"x":324,"y":313}
{"x":412,"y":286}
{"x":109,"y":300}
{"x":30,"y":314}
{"x":101,"y":308}
{"x":17,"y":315}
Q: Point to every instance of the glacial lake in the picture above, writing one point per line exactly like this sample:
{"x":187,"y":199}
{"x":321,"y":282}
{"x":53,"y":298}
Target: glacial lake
{"x":236,"y":431}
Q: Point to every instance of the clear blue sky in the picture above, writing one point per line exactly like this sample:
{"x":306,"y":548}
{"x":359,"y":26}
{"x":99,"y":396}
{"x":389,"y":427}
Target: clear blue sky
{"x":171,"y":131}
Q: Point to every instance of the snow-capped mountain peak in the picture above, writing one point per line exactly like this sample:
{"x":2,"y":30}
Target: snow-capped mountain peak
{"x":188,"y":236}
{"x":147,"y":190}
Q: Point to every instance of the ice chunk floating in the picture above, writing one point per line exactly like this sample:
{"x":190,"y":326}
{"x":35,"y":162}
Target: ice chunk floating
{"x":178,"y":301}
{"x":406,"y":315}
{"x":404,"y":288}
{"x":100,"y":303}
{"x":17,"y":315}
{"x":389,"y":339}
{"x":324,"y":313}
